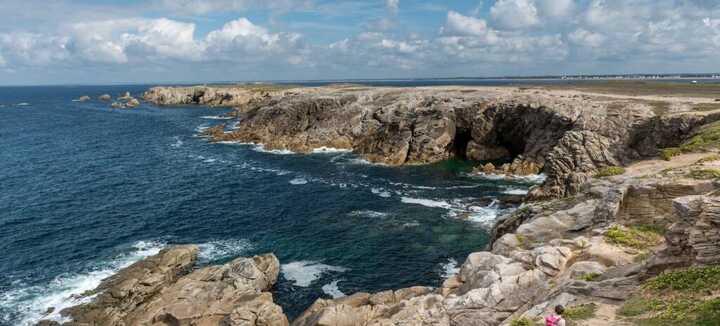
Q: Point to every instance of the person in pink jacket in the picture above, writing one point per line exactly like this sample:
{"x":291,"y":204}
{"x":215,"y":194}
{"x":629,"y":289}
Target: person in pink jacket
{"x":556,"y":319}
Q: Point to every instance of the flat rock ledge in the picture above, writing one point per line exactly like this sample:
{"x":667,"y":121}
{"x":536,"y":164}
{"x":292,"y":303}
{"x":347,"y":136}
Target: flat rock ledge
{"x":165,"y":290}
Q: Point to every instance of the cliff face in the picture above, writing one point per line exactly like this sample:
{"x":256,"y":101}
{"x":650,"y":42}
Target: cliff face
{"x":566,"y":136}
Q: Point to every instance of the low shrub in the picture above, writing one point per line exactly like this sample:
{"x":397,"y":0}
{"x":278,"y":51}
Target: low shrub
{"x":522,"y":322}
{"x":691,"y":279}
{"x":580,"y":312}
{"x":638,"y":237}
{"x":610,"y":171}
{"x":668,"y":153}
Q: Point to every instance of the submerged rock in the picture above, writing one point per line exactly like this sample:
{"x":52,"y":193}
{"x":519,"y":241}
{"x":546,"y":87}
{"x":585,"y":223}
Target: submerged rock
{"x":162,"y":290}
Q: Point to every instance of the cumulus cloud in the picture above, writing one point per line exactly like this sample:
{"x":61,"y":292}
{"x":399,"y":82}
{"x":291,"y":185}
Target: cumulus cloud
{"x":143,"y":40}
{"x":515,"y":14}
{"x":458,"y":24}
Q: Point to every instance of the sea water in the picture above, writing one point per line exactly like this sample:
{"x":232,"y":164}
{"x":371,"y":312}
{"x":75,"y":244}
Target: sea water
{"x":86,"y":190}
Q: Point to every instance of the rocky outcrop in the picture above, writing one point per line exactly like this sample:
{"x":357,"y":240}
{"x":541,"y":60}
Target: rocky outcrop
{"x":221,"y":96}
{"x":83,"y":98}
{"x":126,"y":101}
{"x":162,"y":290}
{"x":695,"y":237}
{"x":105,"y":98}
{"x":549,"y":253}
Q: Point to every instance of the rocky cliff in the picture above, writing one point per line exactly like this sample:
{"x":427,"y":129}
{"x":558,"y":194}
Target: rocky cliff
{"x":164,"y":290}
{"x":566,"y":135}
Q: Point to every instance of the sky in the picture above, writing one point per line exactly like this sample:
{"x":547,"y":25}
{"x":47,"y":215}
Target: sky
{"x":155,"y":41}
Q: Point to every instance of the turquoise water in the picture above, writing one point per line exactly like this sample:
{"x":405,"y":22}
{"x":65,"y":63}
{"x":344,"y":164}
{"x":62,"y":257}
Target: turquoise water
{"x":86,"y":190}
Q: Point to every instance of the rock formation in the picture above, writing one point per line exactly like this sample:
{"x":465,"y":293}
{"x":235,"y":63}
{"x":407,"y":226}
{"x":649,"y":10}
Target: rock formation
{"x":83,"y":98}
{"x":555,"y":252}
{"x":162,"y":290}
{"x":211,"y":96}
{"x":126,"y":101}
{"x":105,"y":98}
{"x":566,"y":136}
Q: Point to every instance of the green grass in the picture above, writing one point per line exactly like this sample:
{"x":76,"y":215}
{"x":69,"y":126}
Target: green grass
{"x":590,"y":277}
{"x":609,"y":171}
{"x":708,"y":136}
{"x":637,"y":236}
{"x":668,"y":153}
{"x":680,"y":297}
{"x":522,"y":322}
{"x":705,"y":174}
{"x":580,"y":312}
{"x":691,"y":279}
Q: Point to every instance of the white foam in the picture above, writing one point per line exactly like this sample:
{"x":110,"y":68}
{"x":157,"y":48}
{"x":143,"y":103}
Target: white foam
{"x":450,"y":268}
{"x":426,"y":202}
{"x":482,"y":215}
{"x":23,"y":104}
{"x":362,"y":161}
{"x":178,"y":143}
{"x":223,"y":249}
{"x":380,"y":192}
{"x":332,"y":290}
{"x":322,"y":150}
{"x":201,"y":128}
{"x":411,"y":224}
{"x":303,"y":273}
{"x":298,"y":181}
{"x":261,"y":148}
{"x":516,"y":191}
{"x":368,"y":213}
{"x":532,"y":178}
{"x":33,"y":301}
{"x":216,"y":117}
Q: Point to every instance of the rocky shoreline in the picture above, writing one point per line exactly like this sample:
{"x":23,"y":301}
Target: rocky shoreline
{"x":590,"y":236}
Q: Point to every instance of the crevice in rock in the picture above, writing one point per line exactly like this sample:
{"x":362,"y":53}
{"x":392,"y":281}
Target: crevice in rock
{"x":459,"y":146}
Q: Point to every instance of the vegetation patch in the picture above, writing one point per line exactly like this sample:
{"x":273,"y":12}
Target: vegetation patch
{"x":522,"y":322}
{"x":610,"y":171}
{"x":681,"y":297}
{"x":705,"y":174}
{"x":590,"y":277}
{"x":711,"y":158}
{"x":637,"y":236}
{"x":668,"y":153}
{"x":708,"y":136}
{"x":691,"y":279}
{"x":580,"y":312}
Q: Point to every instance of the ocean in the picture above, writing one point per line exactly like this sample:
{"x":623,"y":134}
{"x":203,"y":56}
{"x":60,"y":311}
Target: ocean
{"x":86,"y":190}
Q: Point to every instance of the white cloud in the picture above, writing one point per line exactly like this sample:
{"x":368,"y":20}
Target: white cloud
{"x":584,"y":37}
{"x":458,"y":24}
{"x":145,"y":40}
{"x":515,"y":14}
{"x":32,"y":49}
{"x":555,"y":8}
{"x":392,"y":5}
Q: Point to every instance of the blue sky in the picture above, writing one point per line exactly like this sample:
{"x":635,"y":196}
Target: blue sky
{"x":113,"y":41}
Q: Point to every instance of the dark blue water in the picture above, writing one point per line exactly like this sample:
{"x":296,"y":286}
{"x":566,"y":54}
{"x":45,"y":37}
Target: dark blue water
{"x":86,"y":190}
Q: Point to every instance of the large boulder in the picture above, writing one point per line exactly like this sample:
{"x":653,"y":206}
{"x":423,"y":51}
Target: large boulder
{"x":161,"y":290}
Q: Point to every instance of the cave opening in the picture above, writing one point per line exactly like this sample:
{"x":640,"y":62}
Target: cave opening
{"x":460,"y":143}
